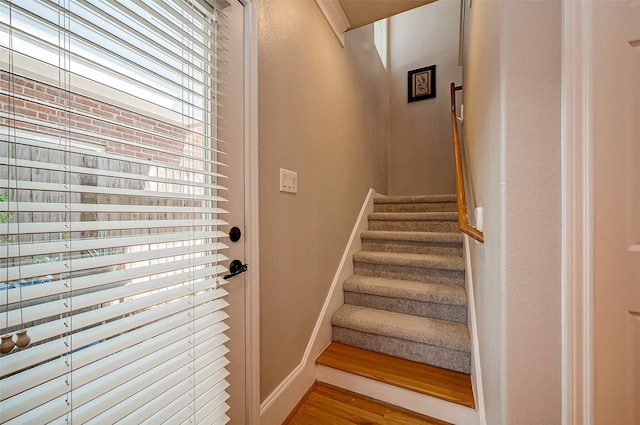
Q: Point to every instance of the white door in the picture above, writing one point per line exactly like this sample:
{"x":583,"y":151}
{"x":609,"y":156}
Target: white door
{"x":233,"y":137}
{"x":616,"y":212}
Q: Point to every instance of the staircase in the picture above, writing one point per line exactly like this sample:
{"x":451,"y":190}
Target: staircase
{"x":401,"y":335}
{"x":406,"y":297}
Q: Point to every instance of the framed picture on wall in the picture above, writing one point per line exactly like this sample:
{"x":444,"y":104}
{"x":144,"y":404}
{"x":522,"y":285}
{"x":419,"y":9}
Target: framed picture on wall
{"x":422,"y":83}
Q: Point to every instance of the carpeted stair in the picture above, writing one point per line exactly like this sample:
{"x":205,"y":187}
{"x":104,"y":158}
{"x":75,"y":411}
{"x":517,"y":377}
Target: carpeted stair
{"x":407,"y":297}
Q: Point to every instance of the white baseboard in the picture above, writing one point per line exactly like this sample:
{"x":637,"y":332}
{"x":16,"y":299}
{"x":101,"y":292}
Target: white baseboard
{"x":430,"y":406}
{"x":476,"y":373}
{"x":277,"y":406}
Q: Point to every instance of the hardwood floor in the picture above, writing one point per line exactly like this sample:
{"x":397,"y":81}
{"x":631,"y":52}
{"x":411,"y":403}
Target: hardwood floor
{"x":424,"y":379}
{"x":326,"y":404}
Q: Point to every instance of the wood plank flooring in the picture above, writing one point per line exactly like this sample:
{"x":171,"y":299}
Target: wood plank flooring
{"x":424,"y":379}
{"x":326,"y":404}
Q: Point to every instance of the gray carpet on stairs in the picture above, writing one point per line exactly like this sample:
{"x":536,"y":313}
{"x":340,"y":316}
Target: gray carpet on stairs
{"x":448,"y":270}
{"x":439,"y":243}
{"x":414,"y":221}
{"x":417,"y":199}
{"x":417,"y":207}
{"x":436,"y":342}
{"x":407,"y":297}
{"x":419,"y":237}
{"x":437,"y":301}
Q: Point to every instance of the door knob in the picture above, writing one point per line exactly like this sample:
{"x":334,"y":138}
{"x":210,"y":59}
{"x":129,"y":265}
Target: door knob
{"x":235,"y":268}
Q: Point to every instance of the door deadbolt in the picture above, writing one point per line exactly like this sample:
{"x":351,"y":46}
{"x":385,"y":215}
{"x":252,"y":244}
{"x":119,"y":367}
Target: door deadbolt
{"x":235,"y":234}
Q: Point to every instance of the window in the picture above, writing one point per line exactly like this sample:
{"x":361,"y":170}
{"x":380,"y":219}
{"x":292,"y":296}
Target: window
{"x":380,"y":39}
{"x":111,"y":193}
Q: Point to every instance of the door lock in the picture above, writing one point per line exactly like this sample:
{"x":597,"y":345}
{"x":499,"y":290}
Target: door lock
{"x":235,"y":234}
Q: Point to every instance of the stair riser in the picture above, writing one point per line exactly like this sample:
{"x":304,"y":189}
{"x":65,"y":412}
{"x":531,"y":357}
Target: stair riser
{"x":434,"y":248}
{"x":414,"y":226}
{"x":418,"y":207}
{"x":437,"y":356}
{"x":453,"y":313}
{"x":446,"y":277}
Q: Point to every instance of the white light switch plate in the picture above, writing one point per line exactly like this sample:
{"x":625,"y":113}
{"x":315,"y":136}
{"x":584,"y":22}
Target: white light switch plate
{"x":479,"y":218}
{"x":288,"y":181}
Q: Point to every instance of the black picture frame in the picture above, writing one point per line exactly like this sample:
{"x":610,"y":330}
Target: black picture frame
{"x":421,"y":83}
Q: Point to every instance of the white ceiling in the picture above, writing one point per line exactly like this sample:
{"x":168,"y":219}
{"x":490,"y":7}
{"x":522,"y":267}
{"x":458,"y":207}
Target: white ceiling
{"x":363,"y":12}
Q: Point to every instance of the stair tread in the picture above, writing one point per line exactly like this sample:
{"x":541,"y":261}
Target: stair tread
{"x":443,"y":262}
{"x":414,"y":199}
{"x":413,"y":236}
{"x":407,"y":289}
{"x":424,"y":379}
{"x":414,"y":216}
{"x":450,"y":335}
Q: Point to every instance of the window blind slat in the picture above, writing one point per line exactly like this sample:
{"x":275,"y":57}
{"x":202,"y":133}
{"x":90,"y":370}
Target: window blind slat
{"x":121,"y":124}
{"x":211,"y":402}
{"x":157,"y":180}
{"x":105,"y":136}
{"x":167,"y":44}
{"x":138,"y":359}
{"x":174,"y":327}
{"x":57,"y":347}
{"x":96,"y":280}
{"x":79,"y":264}
{"x":110,"y":393}
{"x":167,"y":403}
{"x":24,"y":143}
{"x":169,"y":16}
{"x":83,"y":226}
{"x":184,"y":38}
{"x":140,"y":393}
{"x":191,"y":81}
{"x":94,"y":317}
{"x":176,"y":367}
{"x":217,"y":409}
{"x":85,"y":142}
{"x":73,"y":188}
{"x":144,"y":193}
{"x":173,"y":414}
{"x":104,"y":208}
{"x":104,"y":294}
{"x":185,"y":413}
{"x":35,"y":249}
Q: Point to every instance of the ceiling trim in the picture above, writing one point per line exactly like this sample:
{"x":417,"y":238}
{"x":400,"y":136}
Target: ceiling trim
{"x":332,"y":11}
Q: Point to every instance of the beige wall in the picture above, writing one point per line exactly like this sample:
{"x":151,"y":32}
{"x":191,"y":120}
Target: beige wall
{"x":323,"y":113}
{"x":512,"y":134}
{"x":481,"y":132}
{"x":420,"y":146}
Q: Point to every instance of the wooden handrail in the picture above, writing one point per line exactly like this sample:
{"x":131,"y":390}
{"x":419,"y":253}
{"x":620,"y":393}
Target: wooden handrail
{"x":463,"y":220}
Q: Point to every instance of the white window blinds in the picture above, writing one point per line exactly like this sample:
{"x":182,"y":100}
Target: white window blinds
{"x":110,"y":202}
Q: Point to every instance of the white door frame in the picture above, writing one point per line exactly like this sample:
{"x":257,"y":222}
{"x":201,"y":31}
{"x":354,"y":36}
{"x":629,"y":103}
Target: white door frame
{"x":577,"y":213}
{"x":252,"y":213}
